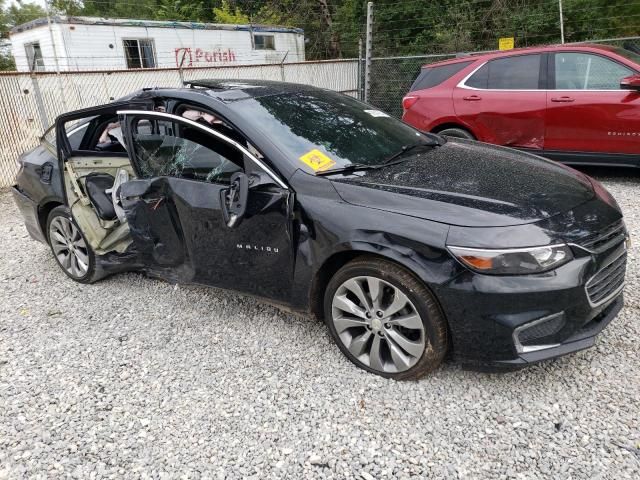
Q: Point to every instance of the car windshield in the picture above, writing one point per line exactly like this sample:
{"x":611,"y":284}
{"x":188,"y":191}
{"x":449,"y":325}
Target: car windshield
{"x":323,"y":130}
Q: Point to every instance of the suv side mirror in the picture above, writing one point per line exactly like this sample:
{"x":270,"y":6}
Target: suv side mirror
{"x":233,"y":200}
{"x":631,"y":83}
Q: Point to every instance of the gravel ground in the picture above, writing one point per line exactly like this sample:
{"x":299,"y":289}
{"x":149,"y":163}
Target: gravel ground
{"x":136,"y":378}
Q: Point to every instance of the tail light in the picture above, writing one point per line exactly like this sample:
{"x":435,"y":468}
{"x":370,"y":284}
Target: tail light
{"x":408,"y":101}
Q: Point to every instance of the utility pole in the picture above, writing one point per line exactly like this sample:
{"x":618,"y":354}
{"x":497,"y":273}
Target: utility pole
{"x":368,"y":51}
{"x":359,"y":74}
{"x":561,"y":22}
{"x":55,"y":54}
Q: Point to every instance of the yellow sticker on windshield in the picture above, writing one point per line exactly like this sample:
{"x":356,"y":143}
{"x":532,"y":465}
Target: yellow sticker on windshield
{"x":317,"y":160}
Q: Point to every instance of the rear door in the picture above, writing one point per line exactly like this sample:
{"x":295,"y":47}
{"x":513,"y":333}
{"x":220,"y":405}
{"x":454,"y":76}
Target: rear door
{"x":503,"y":101}
{"x":175,"y":215}
{"x":586,"y":109}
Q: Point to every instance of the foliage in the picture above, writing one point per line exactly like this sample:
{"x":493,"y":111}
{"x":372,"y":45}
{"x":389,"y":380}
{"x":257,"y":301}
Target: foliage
{"x":227,"y":13}
{"x":10,"y":16}
{"x":333,"y":28}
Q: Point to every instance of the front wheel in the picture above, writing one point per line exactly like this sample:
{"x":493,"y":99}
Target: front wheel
{"x":385,"y":320}
{"x":457,"y":133}
{"x":69,"y":247}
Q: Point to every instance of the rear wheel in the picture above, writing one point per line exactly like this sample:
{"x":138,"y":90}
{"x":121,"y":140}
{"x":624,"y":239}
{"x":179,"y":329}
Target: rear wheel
{"x":385,"y":320}
{"x":69,"y":247}
{"x":457,"y":133}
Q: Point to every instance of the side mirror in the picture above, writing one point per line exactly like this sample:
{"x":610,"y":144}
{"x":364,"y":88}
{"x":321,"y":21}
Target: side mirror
{"x":631,"y":83}
{"x":233,"y":200}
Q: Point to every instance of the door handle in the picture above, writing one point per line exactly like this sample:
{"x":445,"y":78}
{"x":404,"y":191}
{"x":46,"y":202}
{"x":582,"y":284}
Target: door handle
{"x":562,"y":99}
{"x":472,"y":98}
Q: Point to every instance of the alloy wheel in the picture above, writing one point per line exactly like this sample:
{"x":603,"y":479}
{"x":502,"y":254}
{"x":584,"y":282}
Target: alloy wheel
{"x":69,"y":247}
{"x":378,"y":324}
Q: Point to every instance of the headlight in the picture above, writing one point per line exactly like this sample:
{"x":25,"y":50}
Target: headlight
{"x":514,"y":261}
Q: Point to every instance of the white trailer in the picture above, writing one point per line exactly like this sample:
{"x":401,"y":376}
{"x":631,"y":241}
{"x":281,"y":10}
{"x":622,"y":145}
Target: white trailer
{"x":88,"y":43}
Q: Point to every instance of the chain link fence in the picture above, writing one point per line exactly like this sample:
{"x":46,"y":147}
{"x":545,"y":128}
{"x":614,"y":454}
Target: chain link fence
{"x":29,"y":103}
{"x":391,"y":78}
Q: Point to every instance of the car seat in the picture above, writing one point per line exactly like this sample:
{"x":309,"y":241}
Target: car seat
{"x":97,"y":185}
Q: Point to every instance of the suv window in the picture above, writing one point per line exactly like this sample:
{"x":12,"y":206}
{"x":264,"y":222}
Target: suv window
{"x":168,"y":148}
{"x":510,"y":73}
{"x":584,"y":71}
{"x":432,"y":76}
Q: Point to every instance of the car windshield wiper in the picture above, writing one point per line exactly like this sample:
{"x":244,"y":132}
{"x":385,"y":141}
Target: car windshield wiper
{"x":405,"y":148}
{"x":352,"y":167}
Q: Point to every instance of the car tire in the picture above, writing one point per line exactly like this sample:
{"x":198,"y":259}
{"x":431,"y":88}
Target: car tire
{"x":69,"y":246}
{"x":457,"y":133}
{"x":387,"y":336}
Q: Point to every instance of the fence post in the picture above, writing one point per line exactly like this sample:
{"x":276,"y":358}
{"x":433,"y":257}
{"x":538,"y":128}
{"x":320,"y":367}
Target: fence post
{"x":42,"y":112}
{"x":369,"y":48}
{"x":55,"y":56}
{"x":359,"y":70}
{"x":184,"y":55}
{"x":282,"y":75}
{"x":561,"y":22}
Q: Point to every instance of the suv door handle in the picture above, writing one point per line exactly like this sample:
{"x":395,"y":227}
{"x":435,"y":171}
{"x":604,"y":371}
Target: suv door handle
{"x":472,"y":98}
{"x":562,"y":99}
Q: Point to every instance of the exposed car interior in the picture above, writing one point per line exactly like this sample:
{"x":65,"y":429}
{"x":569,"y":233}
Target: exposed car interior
{"x":100,"y":164}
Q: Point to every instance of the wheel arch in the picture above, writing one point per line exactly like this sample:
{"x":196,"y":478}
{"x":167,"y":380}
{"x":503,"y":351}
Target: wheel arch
{"x":337,"y":260}
{"x":44,"y":209}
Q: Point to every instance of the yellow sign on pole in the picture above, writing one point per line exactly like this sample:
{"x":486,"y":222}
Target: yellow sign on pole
{"x":506,"y":43}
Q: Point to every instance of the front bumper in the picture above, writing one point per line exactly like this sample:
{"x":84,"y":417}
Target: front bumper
{"x":487,"y":313}
{"x":580,"y":340}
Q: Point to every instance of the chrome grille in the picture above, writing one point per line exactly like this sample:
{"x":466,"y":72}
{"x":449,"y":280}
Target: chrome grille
{"x":607,"y":282}
{"x":600,"y":241}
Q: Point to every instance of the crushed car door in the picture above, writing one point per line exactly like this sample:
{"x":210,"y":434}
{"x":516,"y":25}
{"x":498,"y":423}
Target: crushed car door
{"x":205,"y":209}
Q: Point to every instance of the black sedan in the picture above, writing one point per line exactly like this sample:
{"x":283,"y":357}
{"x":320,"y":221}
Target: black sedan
{"x":407,"y":244}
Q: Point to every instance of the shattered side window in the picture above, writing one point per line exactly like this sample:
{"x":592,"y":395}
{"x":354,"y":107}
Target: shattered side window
{"x":167,"y":148}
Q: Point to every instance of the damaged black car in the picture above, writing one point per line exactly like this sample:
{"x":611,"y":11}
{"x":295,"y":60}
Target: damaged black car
{"x":407,"y":244}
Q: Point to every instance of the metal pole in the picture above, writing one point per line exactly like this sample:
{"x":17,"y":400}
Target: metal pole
{"x":282,"y":75}
{"x":55,"y":55}
{"x":42,"y":112}
{"x":359,"y":70}
{"x":180,"y":72}
{"x":368,"y":51}
{"x":561,"y":22}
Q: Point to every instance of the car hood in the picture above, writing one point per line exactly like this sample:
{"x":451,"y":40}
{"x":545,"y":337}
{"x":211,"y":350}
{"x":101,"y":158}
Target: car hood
{"x":469,"y":184}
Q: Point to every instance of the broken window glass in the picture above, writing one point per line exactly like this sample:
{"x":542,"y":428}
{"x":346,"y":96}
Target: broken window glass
{"x":166,"y":148}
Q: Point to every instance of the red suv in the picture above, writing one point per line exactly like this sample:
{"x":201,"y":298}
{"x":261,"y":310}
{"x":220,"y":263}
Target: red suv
{"x":575,"y":104}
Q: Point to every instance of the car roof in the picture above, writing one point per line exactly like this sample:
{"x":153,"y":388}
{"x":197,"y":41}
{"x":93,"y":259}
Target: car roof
{"x":587,"y":47}
{"x":234,"y":89}
{"x":224,"y":91}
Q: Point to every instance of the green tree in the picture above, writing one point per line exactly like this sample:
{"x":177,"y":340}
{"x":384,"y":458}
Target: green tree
{"x":228,"y":13}
{"x":15,"y":14}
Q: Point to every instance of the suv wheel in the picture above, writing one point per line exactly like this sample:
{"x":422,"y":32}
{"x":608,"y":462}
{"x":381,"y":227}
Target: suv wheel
{"x":69,"y":247}
{"x":385,"y":320}
{"x":457,"y":133}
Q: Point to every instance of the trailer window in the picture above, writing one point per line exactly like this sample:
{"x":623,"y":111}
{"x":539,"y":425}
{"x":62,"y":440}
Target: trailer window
{"x":140,"y":53}
{"x":34,"y":57}
{"x":264,"y":42}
